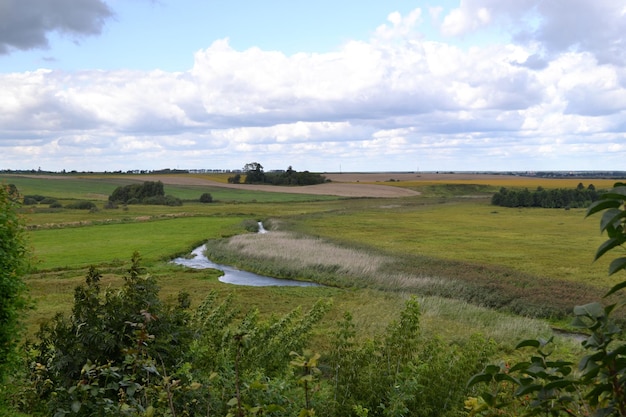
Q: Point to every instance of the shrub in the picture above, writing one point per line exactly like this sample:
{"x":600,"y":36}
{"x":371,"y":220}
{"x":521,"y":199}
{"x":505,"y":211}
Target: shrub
{"x":38,"y":198}
{"x":13,"y":264}
{"x":206,"y":198}
{"x":110,"y":342}
{"x":137,"y":191}
{"x":29,"y":201}
{"x":81,"y":205}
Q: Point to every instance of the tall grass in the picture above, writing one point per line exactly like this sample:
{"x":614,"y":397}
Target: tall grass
{"x":290,"y":255}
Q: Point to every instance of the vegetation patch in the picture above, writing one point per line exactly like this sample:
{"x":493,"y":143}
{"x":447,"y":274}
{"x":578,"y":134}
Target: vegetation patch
{"x":150,"y":192}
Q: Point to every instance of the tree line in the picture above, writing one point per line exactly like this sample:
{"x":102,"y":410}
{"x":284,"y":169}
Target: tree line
{"x":254,"y":174}
{"x":553,"y":198}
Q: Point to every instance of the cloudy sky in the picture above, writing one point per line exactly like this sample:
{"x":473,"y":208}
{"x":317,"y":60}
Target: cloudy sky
{"x":324,"y":86}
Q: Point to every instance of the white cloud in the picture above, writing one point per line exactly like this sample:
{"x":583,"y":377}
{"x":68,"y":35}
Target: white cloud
{"x":396,"y":99}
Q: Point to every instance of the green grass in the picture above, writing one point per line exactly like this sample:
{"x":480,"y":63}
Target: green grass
{"x":99,"y":187}
{"x":444,"y":237}
{"x":550,"y":243}
{"x":440,"y":236}
{"x":77,"y":247}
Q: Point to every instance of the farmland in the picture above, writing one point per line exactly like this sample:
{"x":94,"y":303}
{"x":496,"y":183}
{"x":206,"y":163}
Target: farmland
{"x":448,"y":223}
{"x":438,"y":238}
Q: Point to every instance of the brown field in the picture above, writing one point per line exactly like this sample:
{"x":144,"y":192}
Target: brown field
{"x":376,"y":184}
{"x":342,"y":189}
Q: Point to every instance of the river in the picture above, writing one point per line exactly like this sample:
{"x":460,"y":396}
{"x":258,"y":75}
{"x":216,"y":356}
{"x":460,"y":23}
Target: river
{"x":235,"y":276}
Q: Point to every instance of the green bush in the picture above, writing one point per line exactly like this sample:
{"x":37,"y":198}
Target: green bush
{"x":13,"y":265}
{"x":81,"y":205}
{"x":206,"y":198}
{"x":29,"y":201}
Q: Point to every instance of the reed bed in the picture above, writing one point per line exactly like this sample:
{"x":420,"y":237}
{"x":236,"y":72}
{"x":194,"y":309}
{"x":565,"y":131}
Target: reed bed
{"x":302,"y":252}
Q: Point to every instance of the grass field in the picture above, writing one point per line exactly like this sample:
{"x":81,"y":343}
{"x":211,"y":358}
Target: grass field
{"x":450,"y":231}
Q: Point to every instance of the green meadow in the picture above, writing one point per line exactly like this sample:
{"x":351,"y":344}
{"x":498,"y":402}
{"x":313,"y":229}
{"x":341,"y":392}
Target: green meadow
{"x":507,"y":259}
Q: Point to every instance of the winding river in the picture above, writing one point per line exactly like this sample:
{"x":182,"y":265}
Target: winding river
{"x":236,"y":276}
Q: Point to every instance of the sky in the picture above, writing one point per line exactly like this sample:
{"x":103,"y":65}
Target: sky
{"x":325,"y":86}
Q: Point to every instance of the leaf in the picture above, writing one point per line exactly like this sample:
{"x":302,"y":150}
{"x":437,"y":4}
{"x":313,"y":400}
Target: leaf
{"x":594,"y":310}
{"x":528,"y":343}
{"x":611,"y":217}
{"x":600,"y":205}
{"x":617,"y":265}
{"x":477,"y":379}
{"x":527,"y":389}
{"x":607,"y":246}
{"x":505,"y":377}
{"x":76,"y":406}
{"x":616,"y":288}
{"x":616,"y":193}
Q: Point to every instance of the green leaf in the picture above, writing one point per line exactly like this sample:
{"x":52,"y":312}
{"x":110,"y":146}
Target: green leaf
{"x":505,"y":377}
{"x":527,"y":389}
{"x":477,"y":379}
{"x":594,"y":310}
{"x":76,"y":406}
{"x":608,"y":245}
{"x":617,"y":265}
{"x":616,"y":193}
{"x":528,"y":343}
{"x":611,"y":217}
{"x":600,"y":205}
{"x":490,"y":399}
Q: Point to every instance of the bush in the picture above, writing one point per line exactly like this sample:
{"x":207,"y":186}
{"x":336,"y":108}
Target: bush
{"x":38,"y":198}
{"x":81,"y":205}
{"x":110,"y":337}
{"x":206,"y":198}
{"x":137,"y":191}
{"x":29,"y":201}
{"x":13,"y":264}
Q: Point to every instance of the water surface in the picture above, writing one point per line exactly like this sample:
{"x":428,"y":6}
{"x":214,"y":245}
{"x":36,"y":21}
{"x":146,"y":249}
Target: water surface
{"x":236,"y":276}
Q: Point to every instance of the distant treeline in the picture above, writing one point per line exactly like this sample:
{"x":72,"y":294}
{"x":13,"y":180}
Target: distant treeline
{"x":553,"y":198}
{"x":254,"y":174}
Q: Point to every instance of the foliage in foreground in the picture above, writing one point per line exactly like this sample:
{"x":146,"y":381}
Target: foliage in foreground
{"x":125,"y":352}
{"x":543,"y":385}
{"x":12,"y":266}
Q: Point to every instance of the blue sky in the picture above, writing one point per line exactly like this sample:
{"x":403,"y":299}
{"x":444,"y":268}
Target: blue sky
{"x":366,"y":86}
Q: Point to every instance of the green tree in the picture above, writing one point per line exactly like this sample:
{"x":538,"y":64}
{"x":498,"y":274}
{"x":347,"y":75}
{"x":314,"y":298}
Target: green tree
{"x":254,"y":173}
{"x":206,"y":198}
{"x":13,"y":264}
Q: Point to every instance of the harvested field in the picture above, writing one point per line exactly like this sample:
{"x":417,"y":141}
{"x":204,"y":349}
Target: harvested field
{"x":342,"y":189}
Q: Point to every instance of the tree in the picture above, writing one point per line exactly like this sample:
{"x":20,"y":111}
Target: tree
{"x":206,"y":198}
{"x":13,"y":264}
{"x":254,"y":173}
